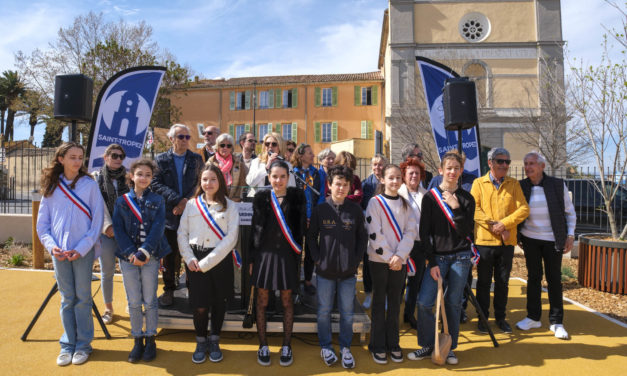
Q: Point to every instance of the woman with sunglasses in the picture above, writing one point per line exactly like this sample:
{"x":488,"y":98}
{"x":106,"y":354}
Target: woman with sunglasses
{"x":232,"y":166}
{"x":111,"y":180}
{"x":272,"y":149}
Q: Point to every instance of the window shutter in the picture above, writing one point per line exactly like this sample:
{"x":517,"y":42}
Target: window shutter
{"x":369,"y":132}
{"x":277,"y":99}
{"x":317,"y":131}
{"x":294,"y":97}
{"x":375,"y":95}
{"x":317,"y":94}
{"x":232,"y":130}
{"x":295,"y":132}
{"x":232,"y":100}
{"x":334,"y":96}
{"x":364,"y":129}
{"x":270,"y":96}
{"x":277,"y":129}
{"x":247,"y":128}
{"x":334,"y":131}
{"x":357,"y":95}
{"x":247,"y":96}
{"x":268,"y":130}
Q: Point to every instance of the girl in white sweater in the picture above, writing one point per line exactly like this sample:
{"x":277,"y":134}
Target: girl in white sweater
{"x":391,"y":227}
{"x":207,"y":235}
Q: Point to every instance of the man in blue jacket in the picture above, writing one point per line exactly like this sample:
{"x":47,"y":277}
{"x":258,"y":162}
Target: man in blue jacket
{"x":337,"y":239}
{"x":176,"y":181}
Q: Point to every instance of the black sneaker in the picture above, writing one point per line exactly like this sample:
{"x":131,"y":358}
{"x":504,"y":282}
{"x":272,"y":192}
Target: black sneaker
{"x":200,"y":354}
{"x":310,"y":289}
{"x":420,"y":354}
{"x":482,"y":328}
{"x":463,"y":318}
{"x":396,"y":356}
{"x":167,"y":298}
{"x":263,"y":356}
{"x":380,"y":358}
{"x":504,"y":326}
{"x":286,"y":356}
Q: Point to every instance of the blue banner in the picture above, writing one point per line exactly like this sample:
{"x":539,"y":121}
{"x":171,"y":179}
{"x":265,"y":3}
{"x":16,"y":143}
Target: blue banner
{"x":123,"y":111}
{"x":433,"y":76}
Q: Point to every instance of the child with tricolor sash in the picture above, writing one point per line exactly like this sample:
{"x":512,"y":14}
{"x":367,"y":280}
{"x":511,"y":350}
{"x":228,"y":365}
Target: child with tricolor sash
{"x":446,"y":227}
{"x":391,"y":226}
{"x":207,"y":235}
{"x":68,"y":224}
{"x":138,"y":224}
{"x":279,"y":223}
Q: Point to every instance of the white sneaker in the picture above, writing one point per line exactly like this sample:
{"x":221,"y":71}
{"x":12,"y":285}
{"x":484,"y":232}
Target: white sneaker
{"x":347,"y":358}
{"x":107,"y":317}
{"x":527,"y":323}
{"x":64,"y":359}
{"x":559,"y":331}
{"x":367,"y":301}
{"x":328,"y":356}
{"x":79,"y":357}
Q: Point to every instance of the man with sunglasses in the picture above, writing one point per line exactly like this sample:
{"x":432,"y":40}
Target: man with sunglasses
{"x":414,"y":151}
{"x":500,"y":207}
{"x":176,"y":181}
{"x":248,"y":142}
{"x":210,"y":134}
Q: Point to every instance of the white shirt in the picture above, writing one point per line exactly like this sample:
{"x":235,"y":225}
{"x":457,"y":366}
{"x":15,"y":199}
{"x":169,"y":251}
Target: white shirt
{"x":257,"y":173}
{"x":415,"y":201}
{"x":538,"y":224}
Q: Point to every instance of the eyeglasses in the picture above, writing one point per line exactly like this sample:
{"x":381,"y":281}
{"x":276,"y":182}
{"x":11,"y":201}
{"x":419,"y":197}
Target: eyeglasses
{"x":228,"y":146}
{"x":183,"y":136}
{"x":115,"y":156}
{"x":207,"y":133}
{"x":501,"y":161}
{"x":291,"y":150}
{"x":252,"y":140}
{"x":271,"y":144}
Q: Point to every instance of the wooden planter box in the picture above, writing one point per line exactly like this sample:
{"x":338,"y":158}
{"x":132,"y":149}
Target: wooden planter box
{"x":602,"y":264}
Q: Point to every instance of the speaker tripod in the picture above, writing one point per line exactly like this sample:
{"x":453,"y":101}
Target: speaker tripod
{"x":53,"y":290}
{"x":482,"y":318}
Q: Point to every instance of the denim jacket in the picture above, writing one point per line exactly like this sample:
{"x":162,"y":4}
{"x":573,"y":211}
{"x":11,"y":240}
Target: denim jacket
{"x":126,"y":225}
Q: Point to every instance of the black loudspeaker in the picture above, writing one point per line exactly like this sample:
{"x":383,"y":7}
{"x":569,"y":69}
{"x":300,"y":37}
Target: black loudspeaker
{"x":73,"y":94}
{"x":460,"y":104}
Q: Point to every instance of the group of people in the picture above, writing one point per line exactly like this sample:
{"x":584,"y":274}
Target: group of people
{"x":407,"y":228}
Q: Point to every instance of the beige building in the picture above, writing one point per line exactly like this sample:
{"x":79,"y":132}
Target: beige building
{"x":505,"y":46}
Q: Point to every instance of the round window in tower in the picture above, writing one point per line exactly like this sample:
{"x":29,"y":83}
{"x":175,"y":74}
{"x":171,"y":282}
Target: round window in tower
{"x":474,"y":27}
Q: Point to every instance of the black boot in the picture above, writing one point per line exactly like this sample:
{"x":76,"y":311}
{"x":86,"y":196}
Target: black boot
{"x":150,"y":352}
{"x":138,"y":350}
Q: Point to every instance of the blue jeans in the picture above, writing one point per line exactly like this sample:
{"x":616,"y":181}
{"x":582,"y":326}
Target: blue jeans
{"x":140,"y":283}
{"x":107,"y":266}
{"x":454,"y":270}
{"x":74,"y":281}
{"x":345,"y":296}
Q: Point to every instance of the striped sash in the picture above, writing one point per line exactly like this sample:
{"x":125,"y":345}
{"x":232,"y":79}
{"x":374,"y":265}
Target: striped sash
{"x":411,"y":267}
{"x":74,"y":198}
{"x":213,"y":225}
{"x":390,"y":217}
{"x":278,"y":213}
{"x":133,"y":206}
{"x":448,"y":213}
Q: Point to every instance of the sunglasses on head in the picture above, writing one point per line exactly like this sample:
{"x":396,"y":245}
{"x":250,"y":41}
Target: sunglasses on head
{"x":416,"y":155}
{"x":183,"y":136}
{"x":501,"y":161}
{"x":115,"y":156}
{"x":228,"y":146}
{"x":271,"y":144}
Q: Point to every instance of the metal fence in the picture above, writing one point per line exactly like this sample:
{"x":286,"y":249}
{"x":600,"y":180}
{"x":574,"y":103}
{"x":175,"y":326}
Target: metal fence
{"x":21,"y":166}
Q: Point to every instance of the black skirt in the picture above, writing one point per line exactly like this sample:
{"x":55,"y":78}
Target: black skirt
{"x":212,"y":287}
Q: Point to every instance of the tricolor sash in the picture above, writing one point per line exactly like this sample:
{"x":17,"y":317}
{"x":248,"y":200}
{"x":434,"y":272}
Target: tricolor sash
{"x":411,"y":267}
{"x":448,"y":213}
{"x":133,"y":206}
{"x":390,"y":217}
{"x":74,"y":198}
{"x":278,"y":213}
{"x":213,"y":225}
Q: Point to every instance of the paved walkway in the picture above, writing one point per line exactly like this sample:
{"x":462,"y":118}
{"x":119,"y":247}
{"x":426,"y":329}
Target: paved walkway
{"x":597,"y":347}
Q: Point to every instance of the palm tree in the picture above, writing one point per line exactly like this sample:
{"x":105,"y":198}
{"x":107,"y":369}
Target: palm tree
{"x":11,"y":88}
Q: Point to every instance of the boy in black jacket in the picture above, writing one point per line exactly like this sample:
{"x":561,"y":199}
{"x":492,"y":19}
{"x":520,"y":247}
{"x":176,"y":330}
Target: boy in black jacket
{"x":337,"y":239}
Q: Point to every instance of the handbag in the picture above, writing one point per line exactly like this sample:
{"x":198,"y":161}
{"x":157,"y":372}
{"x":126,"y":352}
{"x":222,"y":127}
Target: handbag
{"x":443,"y":341}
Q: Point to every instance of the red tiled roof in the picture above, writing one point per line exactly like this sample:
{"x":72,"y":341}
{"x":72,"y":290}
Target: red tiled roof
{"x":284,"y":80}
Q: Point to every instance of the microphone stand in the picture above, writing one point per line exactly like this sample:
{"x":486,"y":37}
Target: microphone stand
{"x":300,"y":179}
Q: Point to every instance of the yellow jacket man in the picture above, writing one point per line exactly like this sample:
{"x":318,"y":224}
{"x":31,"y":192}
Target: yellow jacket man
{"x":501,"y":206}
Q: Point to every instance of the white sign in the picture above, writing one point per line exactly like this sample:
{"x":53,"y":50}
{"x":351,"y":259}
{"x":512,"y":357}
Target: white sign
{"x":245,"y":213}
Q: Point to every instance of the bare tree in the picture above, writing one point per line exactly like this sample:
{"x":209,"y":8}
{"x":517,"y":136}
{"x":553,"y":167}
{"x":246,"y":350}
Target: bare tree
{"x":598,"y":99}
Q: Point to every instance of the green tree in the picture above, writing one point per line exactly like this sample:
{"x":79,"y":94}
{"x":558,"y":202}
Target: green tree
{"x":11,"y":89}
{"x":98,"y":49}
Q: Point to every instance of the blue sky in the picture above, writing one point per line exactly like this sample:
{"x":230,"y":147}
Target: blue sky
{"x":236,"y":38}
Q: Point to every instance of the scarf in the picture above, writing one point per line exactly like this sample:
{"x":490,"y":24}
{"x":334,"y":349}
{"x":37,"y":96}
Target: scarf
{"x":105,"y":183}
{"x":226,"y":165}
